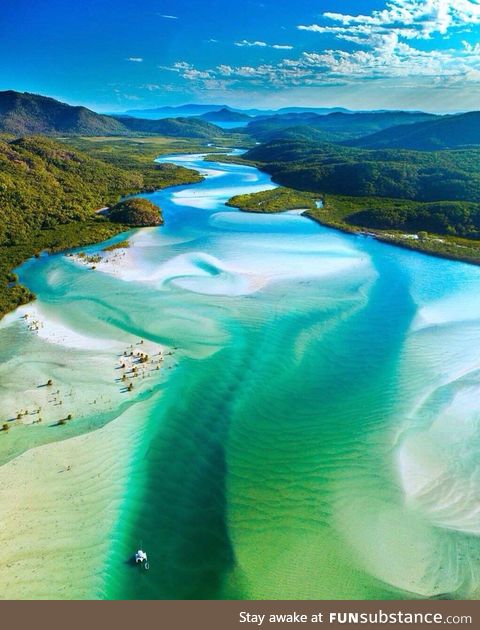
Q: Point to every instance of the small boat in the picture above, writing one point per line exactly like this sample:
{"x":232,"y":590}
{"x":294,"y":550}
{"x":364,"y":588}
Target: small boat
{"x":141,"y":557}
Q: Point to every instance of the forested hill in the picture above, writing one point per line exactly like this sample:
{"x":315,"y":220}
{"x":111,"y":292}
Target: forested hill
{"x":171,"y":127}
{"x":329,"y":168}
{"x":43,"y":184}
{"x":24,"y":113}
{"x":447,"y":132}
{"x":333,"y":127}
{"x":48,"y":196}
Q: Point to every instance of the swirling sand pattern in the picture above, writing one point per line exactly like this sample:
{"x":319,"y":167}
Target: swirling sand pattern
{"x":315,"y":434}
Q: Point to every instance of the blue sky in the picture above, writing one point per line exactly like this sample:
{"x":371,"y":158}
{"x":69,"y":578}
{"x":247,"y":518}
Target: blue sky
{"x":124,"y":54}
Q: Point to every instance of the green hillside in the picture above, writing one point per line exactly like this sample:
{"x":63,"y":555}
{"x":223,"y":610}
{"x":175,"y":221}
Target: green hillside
{"x":333,"y":127}
{"x":399,"y":190}
{"x":24,"y":113}
{"x":447,"y":132}
{"x":172,"y":127}
{"x":48,"y":196}
{"x":329,"y":168}
{"x":44,"y":184}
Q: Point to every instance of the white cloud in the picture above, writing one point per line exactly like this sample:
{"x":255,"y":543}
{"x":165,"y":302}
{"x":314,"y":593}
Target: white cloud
{"x":169,"y":17}
{"x":411,"y":19}
{"x":471,"y":50}
{"x":245,"y":42}
{"x":260,"y":44}
{"x":383,"y":50}
{"x":193,"y":74}
{"x":388,"y":59}
{"x":179,"y":66}
{"x":151,"y":87}
{"x":135,"y":59}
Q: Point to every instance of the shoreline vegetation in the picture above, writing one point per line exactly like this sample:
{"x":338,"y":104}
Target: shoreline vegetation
{"x":345,"y":213}
{"x":51,"y":190}
{"x":272,"y":201}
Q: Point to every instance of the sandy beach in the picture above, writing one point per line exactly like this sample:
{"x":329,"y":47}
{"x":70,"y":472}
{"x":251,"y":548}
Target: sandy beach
{"x":50,"y":494}
{"x":87,"y":375}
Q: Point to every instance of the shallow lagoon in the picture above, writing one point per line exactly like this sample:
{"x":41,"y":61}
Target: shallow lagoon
{"x":315,"y":433}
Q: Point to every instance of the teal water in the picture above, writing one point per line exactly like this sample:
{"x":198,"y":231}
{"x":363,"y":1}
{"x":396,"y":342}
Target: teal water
{"x":318,"y":432}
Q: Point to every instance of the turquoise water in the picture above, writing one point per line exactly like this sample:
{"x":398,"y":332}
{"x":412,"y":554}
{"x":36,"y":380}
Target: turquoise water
{"x":231,"y":125}
{"x":318,"y":433}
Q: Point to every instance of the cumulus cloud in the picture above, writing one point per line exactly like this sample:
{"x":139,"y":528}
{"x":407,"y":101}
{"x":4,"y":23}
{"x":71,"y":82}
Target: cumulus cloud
{"x":375,"y":46}
{"x":386,"y":38}
{"x":397,"y":60}
{"x":410,"y":19}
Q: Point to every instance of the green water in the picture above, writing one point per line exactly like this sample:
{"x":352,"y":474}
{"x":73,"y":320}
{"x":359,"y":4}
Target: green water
{"x":318,"y":432}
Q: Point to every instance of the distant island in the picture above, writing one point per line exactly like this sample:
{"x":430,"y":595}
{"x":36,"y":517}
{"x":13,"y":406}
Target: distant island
{"x":198,"y":109}
{"x":225,"y":115}
{"x":173,"y":111}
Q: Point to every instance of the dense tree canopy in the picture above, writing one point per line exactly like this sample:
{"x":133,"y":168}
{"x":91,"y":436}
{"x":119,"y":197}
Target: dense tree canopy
{"x":446,"y":132}
{"x":172,"y":127}
{"x":445,"y":185}
{"x":136,"y":212}
{"x":43,"y":184}
{"x":48,"y":196}
{"x":23,"y":113}
{"x":276,"y":200}
{"x":326,"y":167}
{"x":454,"y":218}
{"x":336,"y":126}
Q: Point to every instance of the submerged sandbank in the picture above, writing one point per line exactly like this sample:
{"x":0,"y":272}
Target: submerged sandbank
{"x":60,"y":507}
